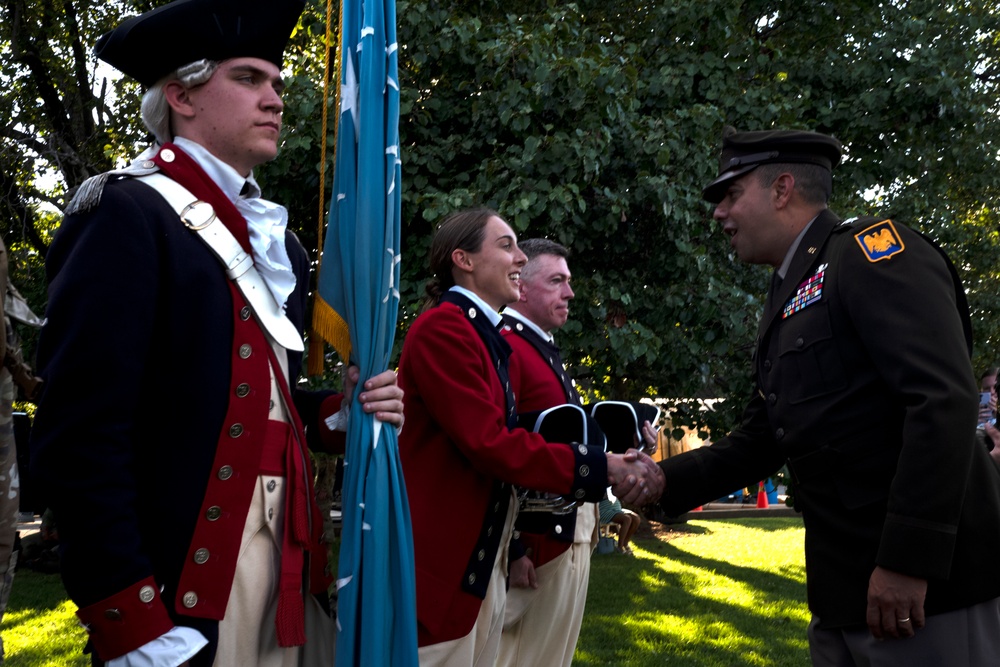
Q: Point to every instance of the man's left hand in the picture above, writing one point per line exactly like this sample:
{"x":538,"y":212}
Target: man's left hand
{"x":649,"y":438}
{"x":895,"y":604}
{"x":381,"y":395}
{"x":522,"y":573}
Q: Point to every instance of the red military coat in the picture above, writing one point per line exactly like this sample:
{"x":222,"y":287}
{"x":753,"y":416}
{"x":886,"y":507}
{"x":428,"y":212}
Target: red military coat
{"x":455,"y":449}
{"x":542,"y":536}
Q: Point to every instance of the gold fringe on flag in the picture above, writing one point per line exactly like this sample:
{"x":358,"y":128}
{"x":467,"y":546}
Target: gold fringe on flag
{"x":327,"y":324}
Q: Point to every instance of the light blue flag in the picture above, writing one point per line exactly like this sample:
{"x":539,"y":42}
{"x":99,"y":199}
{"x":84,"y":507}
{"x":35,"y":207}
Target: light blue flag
{"x":358,"y":286}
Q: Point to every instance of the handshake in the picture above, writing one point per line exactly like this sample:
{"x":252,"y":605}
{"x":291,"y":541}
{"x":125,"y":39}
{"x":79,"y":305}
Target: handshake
{"x":634,"y":477}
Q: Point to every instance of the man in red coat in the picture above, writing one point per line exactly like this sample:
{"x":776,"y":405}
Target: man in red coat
{"x":550,"y":560}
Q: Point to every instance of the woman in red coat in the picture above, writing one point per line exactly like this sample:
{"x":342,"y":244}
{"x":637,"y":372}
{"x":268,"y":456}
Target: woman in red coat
{"x":462,"y":455}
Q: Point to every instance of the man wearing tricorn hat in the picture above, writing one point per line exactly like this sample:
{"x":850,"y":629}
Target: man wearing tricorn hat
{"x":864,"y":387}
{"x":180,"y":480}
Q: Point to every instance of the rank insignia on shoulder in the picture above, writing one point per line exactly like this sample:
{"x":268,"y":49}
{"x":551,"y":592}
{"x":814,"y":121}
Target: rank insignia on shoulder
{"x":808,"y":293}
{"x":880,"y":241}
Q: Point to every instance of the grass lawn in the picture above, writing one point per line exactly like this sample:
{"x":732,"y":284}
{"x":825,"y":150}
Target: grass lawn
{"x":40,"y":627}
{"x":703,"y":594}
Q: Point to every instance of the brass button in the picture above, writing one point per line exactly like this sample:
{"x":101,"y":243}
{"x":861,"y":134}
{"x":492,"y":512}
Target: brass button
{"x":148,"y":164}
{"x":472,"y":313}
{"x":779,"y":434}
{"x":772,"y":399}
{"x":167,"y":155}
{"x":584,"y":470}
{"x":225,"y":472}
{"x":472,"y":578}
{"x":496,"y":508}
{"x":799,"y":342}
{"x":147,"y":593}
{"x":112,"y":614}
{"x":242,"y":390}
{"x":213,"y":513}
{"x":190,"y":599}
{"x":245,"y":313}
{"x":201,"y":556}
{"x":580,"y":493}
{"x":270,"y":513}
{"x":558,"y":529}
{"x":582,"y":449}
{"x":236,"y":430}
{"x":271,"y":484}
{"x":482,"y":554}
{"x":245,"y":350}
{"x":489,"y":531}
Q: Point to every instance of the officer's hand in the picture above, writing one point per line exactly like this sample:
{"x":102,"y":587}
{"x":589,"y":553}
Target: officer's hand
{"x":657,"y":481}
{"x":633,"y":481}
{"x":895,"y":604}
{"x":522,"y":573}
{"x":381,"y":395}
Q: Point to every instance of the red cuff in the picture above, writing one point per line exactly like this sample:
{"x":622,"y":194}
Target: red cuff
{"x":334,"y":442}
{"x":126,"y":620}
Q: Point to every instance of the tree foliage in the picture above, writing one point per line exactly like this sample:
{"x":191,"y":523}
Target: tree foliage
{"x":595,"y":124}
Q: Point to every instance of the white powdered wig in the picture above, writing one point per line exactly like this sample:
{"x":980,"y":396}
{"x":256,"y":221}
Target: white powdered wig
{"x":156,"y":111}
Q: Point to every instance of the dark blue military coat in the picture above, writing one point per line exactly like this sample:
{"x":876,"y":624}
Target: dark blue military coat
{"x":138,"y":358}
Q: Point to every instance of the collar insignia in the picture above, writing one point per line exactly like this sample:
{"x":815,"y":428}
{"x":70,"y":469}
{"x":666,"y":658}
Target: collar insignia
{"x":880,"y":241}
{"x":808,"y":292}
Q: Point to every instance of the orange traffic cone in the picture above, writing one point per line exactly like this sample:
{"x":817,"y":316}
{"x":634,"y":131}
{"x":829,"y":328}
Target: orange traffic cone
{"x":761,"y":497}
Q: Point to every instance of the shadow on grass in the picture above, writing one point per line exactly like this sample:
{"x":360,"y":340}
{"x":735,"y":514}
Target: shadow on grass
{"x":40,"y":627}
{"x":641,"y":613}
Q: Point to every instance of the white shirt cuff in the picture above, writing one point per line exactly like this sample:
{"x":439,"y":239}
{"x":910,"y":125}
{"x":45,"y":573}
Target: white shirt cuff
{"x":173,"y":648}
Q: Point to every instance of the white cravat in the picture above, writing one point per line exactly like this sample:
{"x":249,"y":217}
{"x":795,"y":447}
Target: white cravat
{"x":266,"y":221}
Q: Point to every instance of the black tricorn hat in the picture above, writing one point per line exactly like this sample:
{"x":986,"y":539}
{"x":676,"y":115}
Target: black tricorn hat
{"x":152,"y":45}
{"x":743,"y":152}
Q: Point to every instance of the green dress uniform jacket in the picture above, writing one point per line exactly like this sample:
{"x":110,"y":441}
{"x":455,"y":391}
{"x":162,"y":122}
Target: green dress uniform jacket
{"x":865,"y":387}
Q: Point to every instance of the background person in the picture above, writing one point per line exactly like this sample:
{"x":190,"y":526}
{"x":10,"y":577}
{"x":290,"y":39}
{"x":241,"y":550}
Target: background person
{"x":13,"y":373}
{"x":627,"y":521}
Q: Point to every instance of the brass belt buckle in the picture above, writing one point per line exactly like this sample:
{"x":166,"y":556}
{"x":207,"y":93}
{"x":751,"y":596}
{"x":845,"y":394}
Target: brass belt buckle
{"x":193,"y":212}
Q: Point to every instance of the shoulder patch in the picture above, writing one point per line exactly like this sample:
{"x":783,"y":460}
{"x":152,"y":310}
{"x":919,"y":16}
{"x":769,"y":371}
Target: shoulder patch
{"x":880,"y":241}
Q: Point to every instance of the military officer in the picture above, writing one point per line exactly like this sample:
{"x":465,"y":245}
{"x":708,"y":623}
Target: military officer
{"x":864,"y":387}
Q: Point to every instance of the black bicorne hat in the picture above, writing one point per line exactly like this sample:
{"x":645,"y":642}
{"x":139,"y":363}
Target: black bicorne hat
{"x":152,"y":45}
{"x":565,"y":423}
{"x":622,"y":422}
